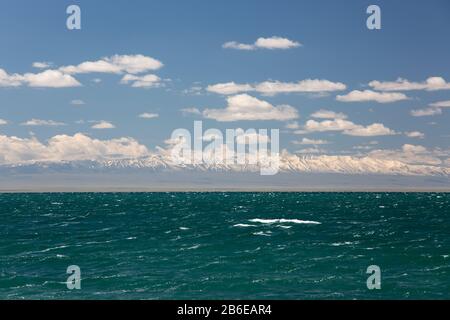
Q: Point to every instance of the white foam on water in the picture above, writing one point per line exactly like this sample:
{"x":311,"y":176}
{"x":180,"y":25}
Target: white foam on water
{"x":243,"y":225}
{"x":261,"y":233}
{"x":272,"y":221}
{"x":338,"y":244}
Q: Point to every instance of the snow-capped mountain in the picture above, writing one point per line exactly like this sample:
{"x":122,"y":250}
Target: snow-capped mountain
{"x":287,"y":163}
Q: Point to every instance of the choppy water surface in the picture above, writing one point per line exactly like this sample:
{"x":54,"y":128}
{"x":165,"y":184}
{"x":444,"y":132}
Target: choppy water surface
{"x":225,"y":245}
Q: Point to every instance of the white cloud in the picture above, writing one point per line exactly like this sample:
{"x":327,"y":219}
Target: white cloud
{"x":229,"y":88}
{"x":187,"y":111}
{"x":132,"y":64}
{"x":77,"y":102}
{"x":63,"y":77}
{"x":306,"y":141}
{"x":431,"y":84}
{"x":194,"y":90}
{"x":434,"y":109}
{"x":376,"y":129}
{"x":39,"y":122}
{"x":426,"y":112}
{"x":146,"y":81}
{"x":308,"y":85}
{"x":292,"y":125}
{"x":441,"y":104}
{"x":3,"y":122}
{"x":369,"y":95}
{"x":276,"y":43}
{"x":50,"y":79}
{"x":328,"y":125}
{"x":409,"y":148}
{"x":148,"y":115}
{"x":67,"y":148}
{"x":271,"y":43}
{"x":10,"y":80}
{"x":415,"y":134}
{"x":245,"y":107}
{"x":103,"y":125}
{"x":348,"y":128}
{"x":327,"y":114}
{"x":276,"y":87}
{"x":42,"y":65}
{"x":45,"y":79}
{"x":409,"y":154}
{"x":238,"y":46}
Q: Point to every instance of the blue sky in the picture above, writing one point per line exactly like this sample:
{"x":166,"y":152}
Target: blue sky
{"x":188,"y":37}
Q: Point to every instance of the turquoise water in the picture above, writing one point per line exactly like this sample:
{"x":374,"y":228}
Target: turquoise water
{"x":225,"y":245}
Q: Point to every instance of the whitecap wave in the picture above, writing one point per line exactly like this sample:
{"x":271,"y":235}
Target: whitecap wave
{"x":244,"y":225}
{"x":272,"y":221}
{"x":261,"y":233}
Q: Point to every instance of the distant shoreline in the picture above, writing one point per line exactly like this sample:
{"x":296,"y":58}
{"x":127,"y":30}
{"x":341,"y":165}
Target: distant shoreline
{"x":220,"y":190}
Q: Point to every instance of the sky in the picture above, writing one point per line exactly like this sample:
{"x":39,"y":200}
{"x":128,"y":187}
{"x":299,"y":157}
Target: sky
{"x":139,"y":70}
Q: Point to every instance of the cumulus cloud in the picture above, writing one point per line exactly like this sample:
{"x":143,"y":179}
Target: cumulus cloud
{"x":308,"y":85}
{"x":415,"y":134}
{"x":147,"y":115}
{"x":347,"y":127}
{"x":3,"y":122}
{"x":63,"y":76}
{"x":146,"y":81}
{"x":103,"y":125}
{"x":441,"y":104}
{"x":294,"y":125}
{"x":67,"y":148}
{"x":42,"y":65}
{"x":430,"y":84}
{"x":229,"y":88}
{"x":434,"y":109}
{"x":50,"y":79}
{"x":369,"y":95}
{"x":45,"y":79}
{"x":132,"y":64}
{"x":409,"y":154}
{"x":327,"y":114}
{"x":271,"y":43}
{"x":187,"y":111}
{"x":276,"y":87}
{"x":10,"y":80}
{"x":39,"y":122}
{"x":306,"y":141}
{"x":245,"y":107}
{"x":426,"y":112}
{"x":376,"y":129}
{"x":194,"y":90}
